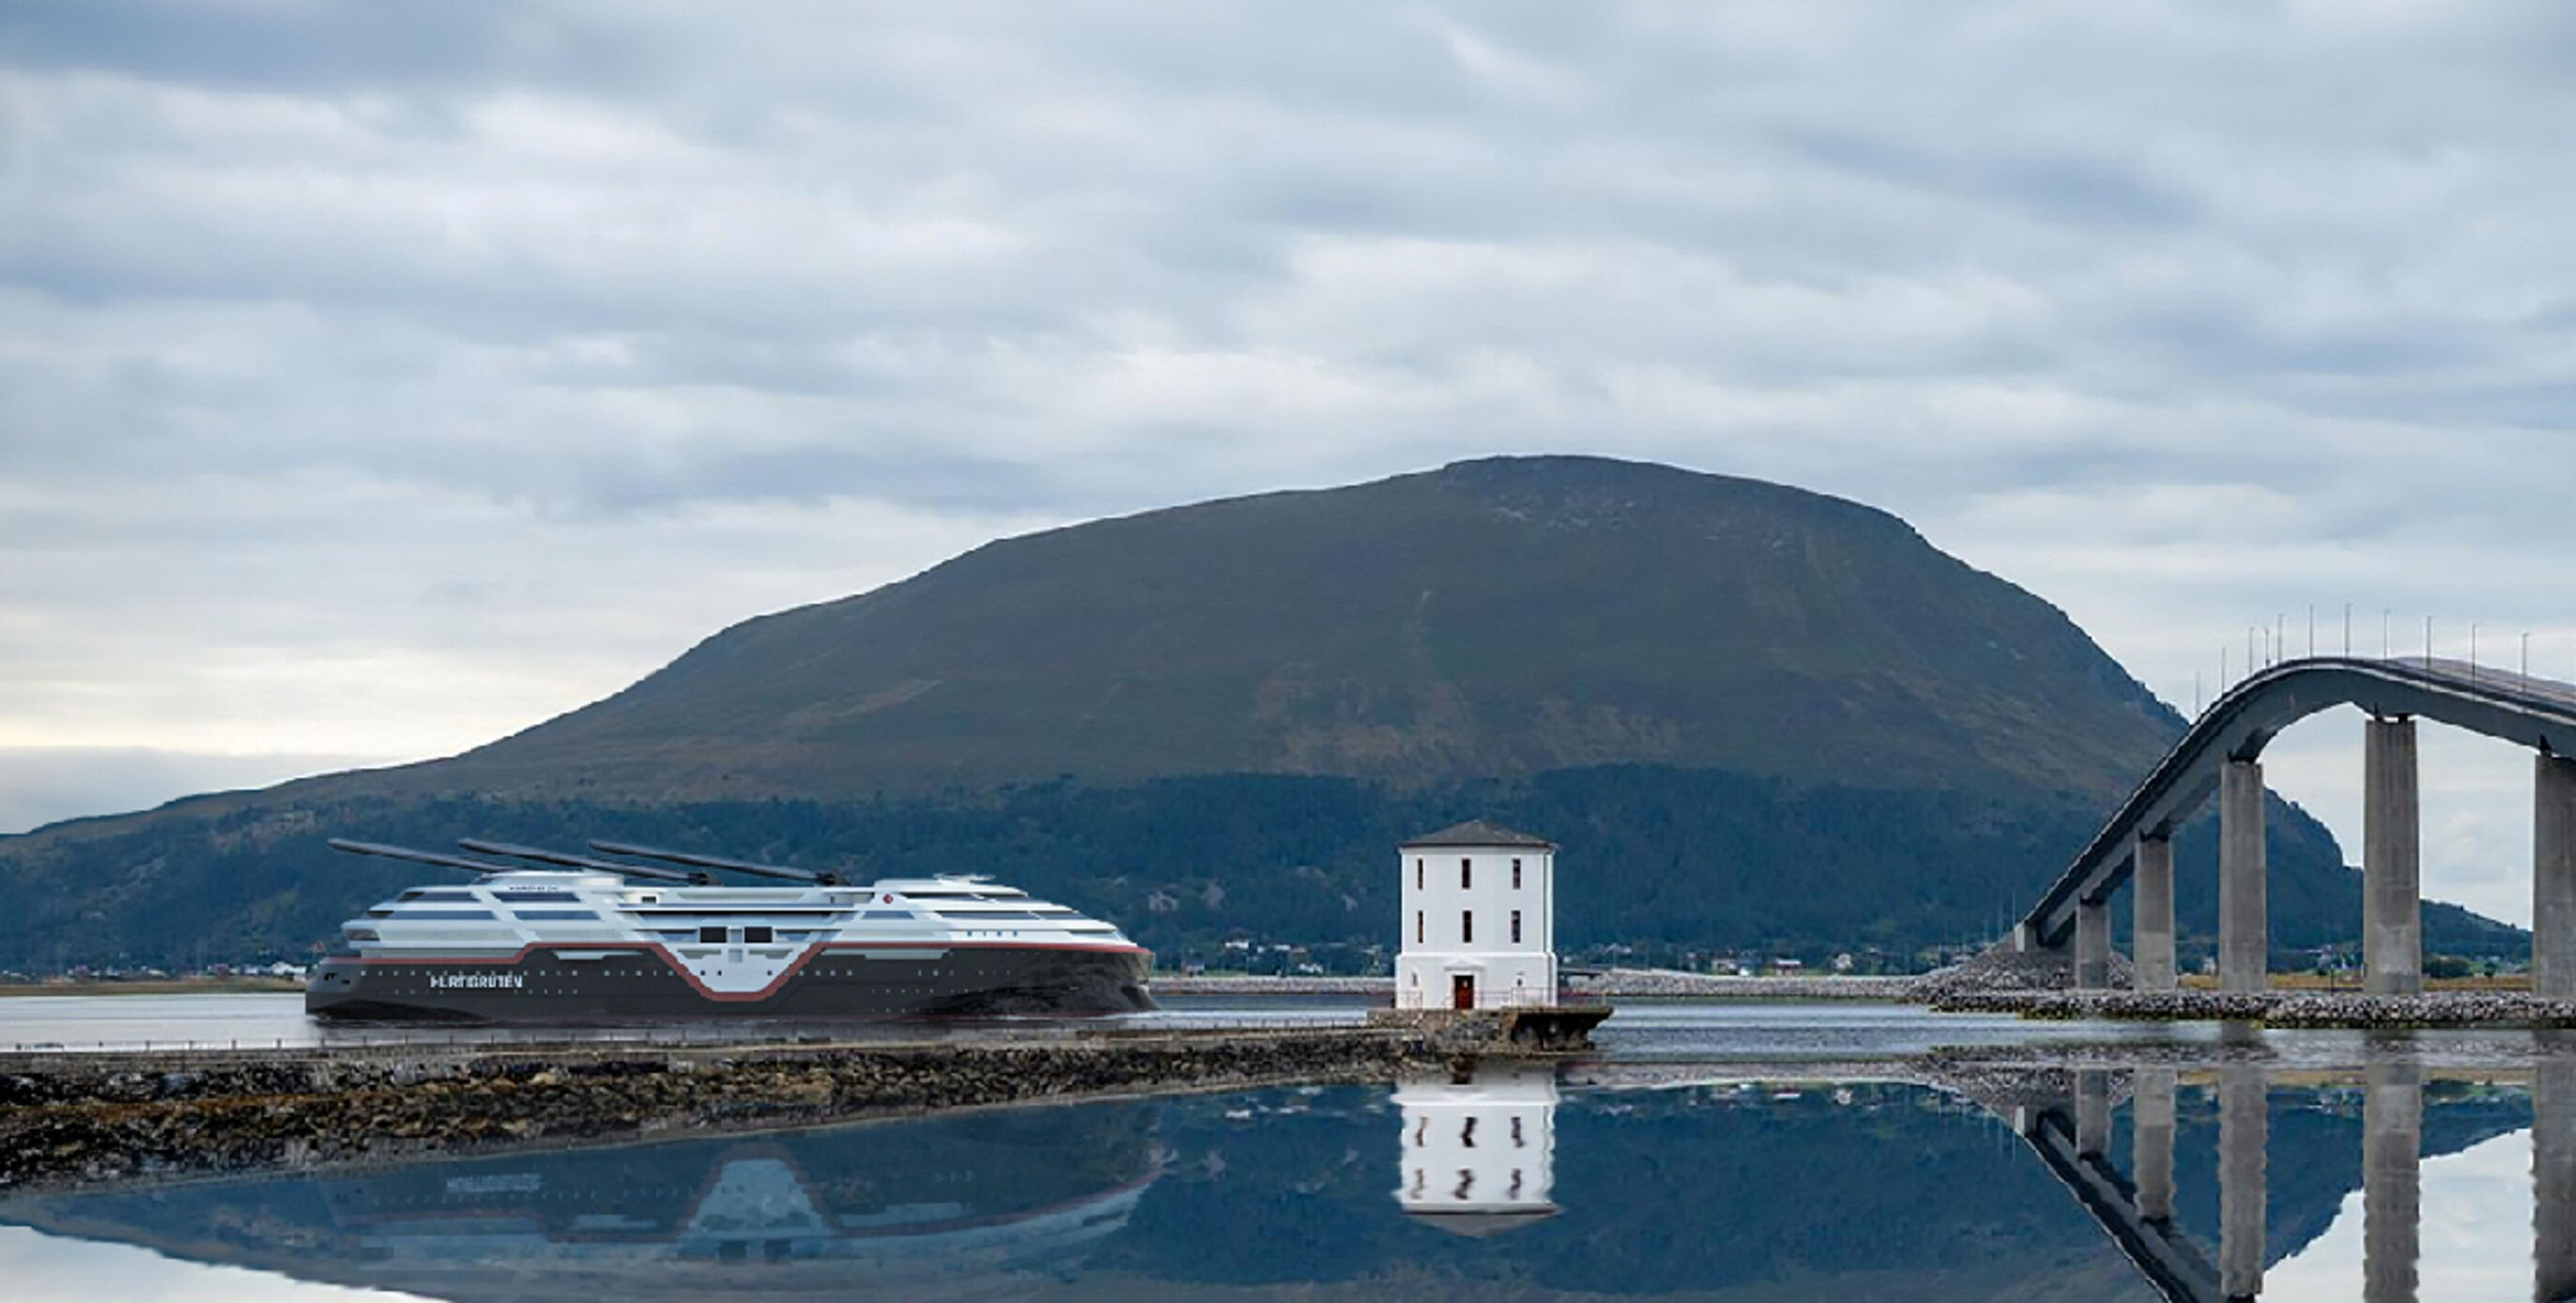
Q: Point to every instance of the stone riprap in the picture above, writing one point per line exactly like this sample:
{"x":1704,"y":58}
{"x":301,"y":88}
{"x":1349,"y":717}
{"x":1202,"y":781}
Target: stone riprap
{"x":2321,"y":1009}
{"x":2002,"y":969}
{"x":67,"y":1119}
{"x":1648,"y":983}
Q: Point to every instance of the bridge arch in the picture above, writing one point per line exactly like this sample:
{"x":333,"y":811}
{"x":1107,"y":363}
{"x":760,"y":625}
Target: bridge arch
{"x":2224,"y":747}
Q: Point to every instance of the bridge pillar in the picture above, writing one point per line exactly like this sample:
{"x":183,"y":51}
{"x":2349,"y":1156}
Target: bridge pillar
{"x":2553,"y":879}
{"x":2553,"y":1180}
{"x":2092,"y":944}
{"x":2392,"y":909}
{"x":2392,"y":1126}
{"x":2092,"y":1113}
{"x":2151,"y":1141}
{"x":2243,"y":1127}
{"x":2244,"y":928}
{"x":2025,"y":940}
{"x":2151,"y":949}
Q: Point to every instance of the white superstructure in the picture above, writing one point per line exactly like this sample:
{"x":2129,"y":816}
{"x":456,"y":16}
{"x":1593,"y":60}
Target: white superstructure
{"x":730,"y":938}
{"x":1479,"y":919}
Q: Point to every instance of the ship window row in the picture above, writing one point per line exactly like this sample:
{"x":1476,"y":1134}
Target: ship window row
{"x":751,"y":936}
{"x":439,"y":915}
{"x":558,"y":916}
{"x":536,"y":897}
{"x":890,"y":913}
{"x":748,"y":911}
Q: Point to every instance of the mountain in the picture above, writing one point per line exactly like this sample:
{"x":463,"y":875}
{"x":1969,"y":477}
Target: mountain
{"x":1757,"y":716}
{"x":1500,"y":617}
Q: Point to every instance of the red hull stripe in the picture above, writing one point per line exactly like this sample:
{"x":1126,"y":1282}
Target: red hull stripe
{"x":765,"y":992}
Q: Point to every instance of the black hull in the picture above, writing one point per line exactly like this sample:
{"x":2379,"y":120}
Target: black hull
{"x":640,"y":985}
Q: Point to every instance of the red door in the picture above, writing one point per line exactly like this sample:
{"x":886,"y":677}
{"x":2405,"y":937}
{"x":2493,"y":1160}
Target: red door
{"x":1462,"y":992}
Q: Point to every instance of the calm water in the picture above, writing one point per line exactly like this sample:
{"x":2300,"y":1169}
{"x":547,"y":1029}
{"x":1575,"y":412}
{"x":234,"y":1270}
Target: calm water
{"x":1656,"y":1172}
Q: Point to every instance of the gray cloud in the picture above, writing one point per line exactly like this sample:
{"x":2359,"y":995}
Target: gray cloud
{"x":375,"y":378}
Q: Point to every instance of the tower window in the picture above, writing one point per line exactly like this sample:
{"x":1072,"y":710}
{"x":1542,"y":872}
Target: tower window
{"x":1417,"y":875}
{"x":1417,"y":927}
{"x":1466,"y":926}
{"x":1516,"y":875}
{"x":1466,"y":874}
{"x":1516,"y":927}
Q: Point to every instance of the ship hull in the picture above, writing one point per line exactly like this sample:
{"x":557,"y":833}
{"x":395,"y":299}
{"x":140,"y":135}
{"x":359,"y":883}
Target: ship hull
{"x":628,"y":984}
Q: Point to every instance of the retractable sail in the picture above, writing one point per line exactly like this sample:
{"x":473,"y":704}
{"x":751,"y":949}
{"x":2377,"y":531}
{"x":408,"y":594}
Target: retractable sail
{"x":416,"y":857}
{"x":718,"y":862}
{"x":544,"y":856}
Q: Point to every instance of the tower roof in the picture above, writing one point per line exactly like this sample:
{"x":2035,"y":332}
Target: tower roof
{"x":1477,"y":832}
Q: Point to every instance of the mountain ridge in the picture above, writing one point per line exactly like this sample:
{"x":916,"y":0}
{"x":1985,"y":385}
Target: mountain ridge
{"x":1493,"y":617}
{"x":1765,"y":716}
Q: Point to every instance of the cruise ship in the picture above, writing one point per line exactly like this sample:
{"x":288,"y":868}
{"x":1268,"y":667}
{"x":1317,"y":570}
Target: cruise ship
{"x":580,"y":939}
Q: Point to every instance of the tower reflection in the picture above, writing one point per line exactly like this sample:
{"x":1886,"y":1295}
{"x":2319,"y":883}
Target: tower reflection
{"x":1479,"y":1150}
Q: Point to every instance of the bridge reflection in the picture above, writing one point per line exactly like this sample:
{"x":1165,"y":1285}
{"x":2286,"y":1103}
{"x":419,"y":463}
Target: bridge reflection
{"x":2068,"y":1125}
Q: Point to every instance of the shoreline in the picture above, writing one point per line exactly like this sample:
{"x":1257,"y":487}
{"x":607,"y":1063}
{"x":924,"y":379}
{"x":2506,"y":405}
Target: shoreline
{"x":157,"y":986}
{"x":1614,"y":984}
{"x":77,"y":1121}
{"x":2292,"y":1008}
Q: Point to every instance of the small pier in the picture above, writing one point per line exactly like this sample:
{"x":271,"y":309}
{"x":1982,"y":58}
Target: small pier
{"x":1522,"y":1030}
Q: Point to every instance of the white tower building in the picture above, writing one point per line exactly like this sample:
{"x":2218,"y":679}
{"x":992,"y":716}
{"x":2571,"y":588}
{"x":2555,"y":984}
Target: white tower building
{"x":1479,"y":920}
{"x":1479,"y":1155}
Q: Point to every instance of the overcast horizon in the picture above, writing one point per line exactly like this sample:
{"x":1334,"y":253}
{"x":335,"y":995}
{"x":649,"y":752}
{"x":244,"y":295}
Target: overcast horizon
{"x":381,"y":379}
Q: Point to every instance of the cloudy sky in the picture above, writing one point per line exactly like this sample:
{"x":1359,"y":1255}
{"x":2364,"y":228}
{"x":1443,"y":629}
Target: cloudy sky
{"x":378,"y":378}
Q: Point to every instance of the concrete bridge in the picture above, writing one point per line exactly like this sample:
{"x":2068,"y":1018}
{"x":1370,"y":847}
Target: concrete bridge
{"x":2223,"y":753}
{"x":2136,"y":1208}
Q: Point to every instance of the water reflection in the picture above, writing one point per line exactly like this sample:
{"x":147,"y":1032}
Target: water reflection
{"x":2068,"y":1127}
{"x":896,"y":1210}
{"x":2553,"y":1181}
{"x":1479,"y":1148}
{"x":2186,"y":1179}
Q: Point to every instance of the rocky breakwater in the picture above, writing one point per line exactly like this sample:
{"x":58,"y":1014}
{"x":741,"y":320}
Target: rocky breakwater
{"x":2323,"y":1009}
{"x":1533,"y":1031}
{"x":68,"y":1119}
{"x":2003,"y":971}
